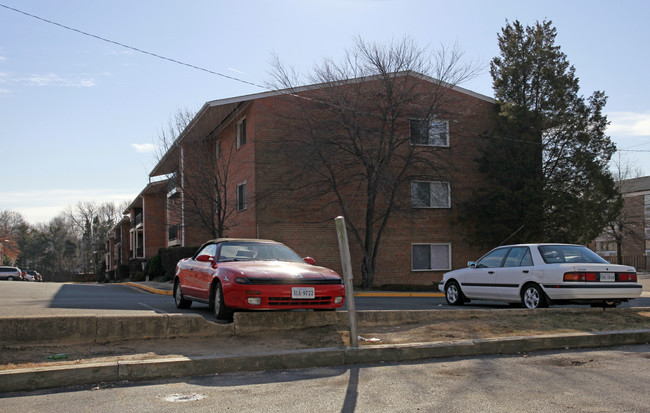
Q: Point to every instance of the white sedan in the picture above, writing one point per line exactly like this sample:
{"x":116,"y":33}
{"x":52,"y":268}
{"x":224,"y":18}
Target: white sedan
{"x":541,"y":274}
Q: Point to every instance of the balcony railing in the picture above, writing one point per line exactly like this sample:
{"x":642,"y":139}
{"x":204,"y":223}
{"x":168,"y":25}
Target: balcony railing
{"x":173,"y":187}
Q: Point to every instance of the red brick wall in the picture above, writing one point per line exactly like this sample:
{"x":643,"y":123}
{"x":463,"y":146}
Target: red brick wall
{"x":154,"y":222}
{"x":633,"y":240}
{"x":266,"y":159}
{"x":283,"y":218}
{"x":242,"y":170}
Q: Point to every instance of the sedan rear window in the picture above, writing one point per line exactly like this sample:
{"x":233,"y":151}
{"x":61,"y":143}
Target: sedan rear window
{"x":554,"y":254}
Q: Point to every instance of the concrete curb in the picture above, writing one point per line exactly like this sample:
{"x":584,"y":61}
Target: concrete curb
{"x":357,"y":294}
{"x":59,"y":376}
{"x":26,"y":330}
{"x":150,"y":289}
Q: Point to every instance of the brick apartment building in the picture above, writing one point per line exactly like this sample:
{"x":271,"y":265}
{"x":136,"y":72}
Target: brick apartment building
{"x":117,"y":250}
{"x":140,"y":234}
{"x":635,"y":219}
{"x":254,"y":134}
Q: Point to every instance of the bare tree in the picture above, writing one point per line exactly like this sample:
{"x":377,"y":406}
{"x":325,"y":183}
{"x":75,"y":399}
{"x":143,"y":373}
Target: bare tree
{"x":92,"y":224}
{"x":168,"y":134}
{"x":203,"y":178}
{"x":208,"y":207}
{"x":354,"y":149}
{"x":59,"y":245}
{"x":11,"y":224}
{"x":629,"y":224}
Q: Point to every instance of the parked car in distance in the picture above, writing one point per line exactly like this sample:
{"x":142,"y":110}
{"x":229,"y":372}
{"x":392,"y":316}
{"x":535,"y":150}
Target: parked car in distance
{"x":10,"y":273}
{"x":252,"y":274}
{"x":541,"y":274}
{"x":32,"y":275}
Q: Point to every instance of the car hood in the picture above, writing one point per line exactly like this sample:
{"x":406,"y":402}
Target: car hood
{"x":280,"y":269}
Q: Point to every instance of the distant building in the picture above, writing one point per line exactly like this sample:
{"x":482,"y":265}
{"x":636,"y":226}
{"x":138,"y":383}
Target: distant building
{"x":635,"y":220}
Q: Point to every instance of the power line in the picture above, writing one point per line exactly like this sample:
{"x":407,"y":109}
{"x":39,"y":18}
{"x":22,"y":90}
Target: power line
{"x":134,"y":48}
{"x":218,"y":73}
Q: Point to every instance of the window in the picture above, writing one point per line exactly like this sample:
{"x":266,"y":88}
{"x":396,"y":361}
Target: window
{"x":241,"y":133}
{"x":518,"y":257}
{"x":241,"y":197}
{"x":569,"y":254}
{"x":210,"y":250}
{"x":431,"y":133}
{"x":217,"y":150}
{"x":430,"y":257}
{"x":433,"y":194}
{"x":494,"y":259}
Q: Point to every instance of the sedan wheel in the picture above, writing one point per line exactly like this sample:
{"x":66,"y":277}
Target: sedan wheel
{"x":533,"y":297}
{"x":221,"y":311}
{"x":453,"y":294}
{"x":181,"y":302}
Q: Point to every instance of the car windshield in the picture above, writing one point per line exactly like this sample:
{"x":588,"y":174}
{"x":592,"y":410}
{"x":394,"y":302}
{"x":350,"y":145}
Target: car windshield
{"x":249,"y":251}
{"x":553,"y":254}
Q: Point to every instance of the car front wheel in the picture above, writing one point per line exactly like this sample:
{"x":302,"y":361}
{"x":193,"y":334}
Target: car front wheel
{"x":453,"y":294}
{"x":181,"y":302}
{"x":221,"y":311}
{"x":533,"y":297}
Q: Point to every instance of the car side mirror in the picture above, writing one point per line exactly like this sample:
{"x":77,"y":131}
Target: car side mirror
{"x":471,"y":264}
{"x":309,"y":260}
{"x":205,"y":258}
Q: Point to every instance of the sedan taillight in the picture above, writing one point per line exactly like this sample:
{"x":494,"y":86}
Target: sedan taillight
{"x":580,"y":276}
{"x":627,"y":276}
{"x":593,"y":276}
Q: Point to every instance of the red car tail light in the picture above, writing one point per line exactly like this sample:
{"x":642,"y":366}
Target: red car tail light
{"x":627,"y":276}
{"x":580,"y":276}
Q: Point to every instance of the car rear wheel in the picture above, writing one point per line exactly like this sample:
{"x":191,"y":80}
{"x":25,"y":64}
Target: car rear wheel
{"x":533,"y":297}
{"x":181,"y":302}
{"x":10,"y":278}
{"x":221,"y":311}
{"x":453,"y":294}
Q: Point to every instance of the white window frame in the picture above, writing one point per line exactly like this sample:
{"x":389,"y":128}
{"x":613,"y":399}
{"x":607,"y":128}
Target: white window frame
{"x":432,"y":138}
{"x":239,"y":200}
{"x":431,"y":199}
{"x":431,"y":245}
{"x":217,"y":150}
{"x":240,"y":128}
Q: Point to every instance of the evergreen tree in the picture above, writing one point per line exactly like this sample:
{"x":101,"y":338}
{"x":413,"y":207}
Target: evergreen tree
{"x":546,"y":160}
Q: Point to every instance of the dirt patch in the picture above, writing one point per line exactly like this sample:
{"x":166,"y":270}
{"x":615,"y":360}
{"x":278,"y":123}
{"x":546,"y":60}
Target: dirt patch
{"x":458,"y":326}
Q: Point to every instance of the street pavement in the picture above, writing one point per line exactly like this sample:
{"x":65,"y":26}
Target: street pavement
{"x":262,"y":359}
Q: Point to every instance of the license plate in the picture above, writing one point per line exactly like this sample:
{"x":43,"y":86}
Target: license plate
{"x":607,"y":277}
{"x":303,"y":292}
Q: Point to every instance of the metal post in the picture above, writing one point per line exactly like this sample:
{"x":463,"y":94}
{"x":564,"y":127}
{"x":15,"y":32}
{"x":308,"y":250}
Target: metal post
{"x":346,"y":263}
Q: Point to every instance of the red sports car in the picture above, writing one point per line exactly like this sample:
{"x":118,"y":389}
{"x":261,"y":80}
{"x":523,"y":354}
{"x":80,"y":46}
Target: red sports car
{"x":230,"y":274}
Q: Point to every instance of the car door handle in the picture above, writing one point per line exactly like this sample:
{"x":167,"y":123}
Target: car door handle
{"x":490,"y":272}
{"x":525,"y":271}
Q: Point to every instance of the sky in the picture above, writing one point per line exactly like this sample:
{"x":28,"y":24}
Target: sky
{"x":79,"y":116}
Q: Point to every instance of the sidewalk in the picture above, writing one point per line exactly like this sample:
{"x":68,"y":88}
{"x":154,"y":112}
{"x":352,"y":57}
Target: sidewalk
{"x":227,"y":356}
